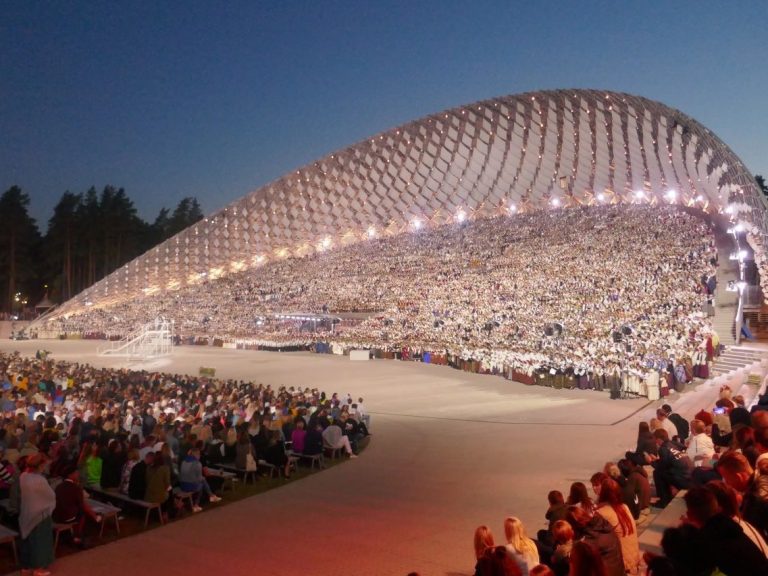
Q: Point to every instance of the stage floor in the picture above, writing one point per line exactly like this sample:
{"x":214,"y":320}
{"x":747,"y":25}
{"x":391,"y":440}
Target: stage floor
{"x":450,"y":451}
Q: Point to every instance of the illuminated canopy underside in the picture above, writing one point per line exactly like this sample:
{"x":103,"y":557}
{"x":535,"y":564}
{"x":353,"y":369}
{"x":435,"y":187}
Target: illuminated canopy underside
{"x":522,"y":152}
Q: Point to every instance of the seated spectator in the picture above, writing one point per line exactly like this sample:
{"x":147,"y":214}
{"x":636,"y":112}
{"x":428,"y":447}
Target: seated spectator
{"x":112,"y":465}
{"x":519,"y":546}
{"x":735,"y":554}
{"x":7,"y":471}
{"x":666,"y":424}
{"x":334,"y":439}
{"x":681,"y":424}
{"x":578,"y":496}
{"x":594,"y":530}
{"x":71,"y":505}
{"x":728,"y":502}
{"x":646,"y":444}
{"x":684,"y":554}
{"x":191,"y":477}
{"x":587,"y":561}
{"x":597,"y":481}
{"x":541,"y":570}
{"x":91,"y":463}
{"x":125,"y":473}
{"x":700,"y":447}
{"x":483,"y":541}
{"x":275,"y":455}
{"x":611,"y":507}
{"x":671,"y":468}
{"x":496,"y":562}
{"x":739,"y":475}
{"x":563,"y":535}
{"x":557,"y":507}
{"x":636,"y":488}
{"x":298,"y":434}
{"x":159,"y":484}
{"x":137,"y":483}
{"x":245,"y":458}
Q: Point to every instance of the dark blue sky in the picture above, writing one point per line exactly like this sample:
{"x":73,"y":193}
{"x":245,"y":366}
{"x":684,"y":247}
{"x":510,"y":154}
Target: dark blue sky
{"x":213,"y":99}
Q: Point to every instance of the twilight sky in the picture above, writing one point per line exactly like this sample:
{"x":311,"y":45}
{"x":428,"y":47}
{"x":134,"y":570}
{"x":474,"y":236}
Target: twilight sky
{"x":211,"y":99}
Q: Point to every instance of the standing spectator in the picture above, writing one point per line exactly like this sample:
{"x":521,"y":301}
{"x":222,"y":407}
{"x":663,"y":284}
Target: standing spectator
{"x":35,"y":523}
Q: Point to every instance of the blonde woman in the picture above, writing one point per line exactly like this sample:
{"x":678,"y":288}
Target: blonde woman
{"x":519,"y":547}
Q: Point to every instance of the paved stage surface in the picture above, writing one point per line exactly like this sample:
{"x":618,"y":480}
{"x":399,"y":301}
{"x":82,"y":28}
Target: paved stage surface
{"x":450,"y":451}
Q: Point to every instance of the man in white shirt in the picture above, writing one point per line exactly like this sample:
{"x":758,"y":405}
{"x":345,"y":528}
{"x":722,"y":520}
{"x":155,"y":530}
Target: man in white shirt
{"x":665,"y":422}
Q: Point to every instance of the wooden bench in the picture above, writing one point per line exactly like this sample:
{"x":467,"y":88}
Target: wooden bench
{"x":8,"y":536}
{"x":115,"y":495}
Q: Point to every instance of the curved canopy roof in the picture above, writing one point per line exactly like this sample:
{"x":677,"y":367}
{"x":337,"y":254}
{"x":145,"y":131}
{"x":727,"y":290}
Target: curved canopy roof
{"x":537,"y":150}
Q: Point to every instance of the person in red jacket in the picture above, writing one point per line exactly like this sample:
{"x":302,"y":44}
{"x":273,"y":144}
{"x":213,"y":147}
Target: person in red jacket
{"x":71,"y":505}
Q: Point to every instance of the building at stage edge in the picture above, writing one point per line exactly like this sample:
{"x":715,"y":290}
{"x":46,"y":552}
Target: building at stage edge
{"x":519,"y":153}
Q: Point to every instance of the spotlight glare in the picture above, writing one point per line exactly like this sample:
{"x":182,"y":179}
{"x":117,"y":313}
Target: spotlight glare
{"x":371,"y":232}
{"x":555,"y":201}
{"x":416,"y":223}
{"x":601,"y":197}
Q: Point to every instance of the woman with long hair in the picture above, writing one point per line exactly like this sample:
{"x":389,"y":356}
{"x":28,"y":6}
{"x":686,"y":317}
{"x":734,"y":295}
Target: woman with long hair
{"x":578,"y":496}
{"x":519,"y":546}
{"x":610,"y":505}
{"x":483,"y":540}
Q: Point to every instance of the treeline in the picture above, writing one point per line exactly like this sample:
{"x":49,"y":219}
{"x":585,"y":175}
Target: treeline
{"x":89,"y":235}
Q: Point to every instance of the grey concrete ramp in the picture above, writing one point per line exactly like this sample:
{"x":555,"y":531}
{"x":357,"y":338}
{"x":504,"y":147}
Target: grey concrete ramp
{"x":450,"y":451}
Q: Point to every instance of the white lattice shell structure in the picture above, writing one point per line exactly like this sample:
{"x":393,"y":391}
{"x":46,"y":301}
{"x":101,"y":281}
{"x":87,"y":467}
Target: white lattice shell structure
{"x":537,"y":150}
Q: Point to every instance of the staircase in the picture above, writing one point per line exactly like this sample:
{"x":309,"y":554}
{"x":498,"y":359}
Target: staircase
{"x":736,"y":357}
{"x":726,"y":303}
